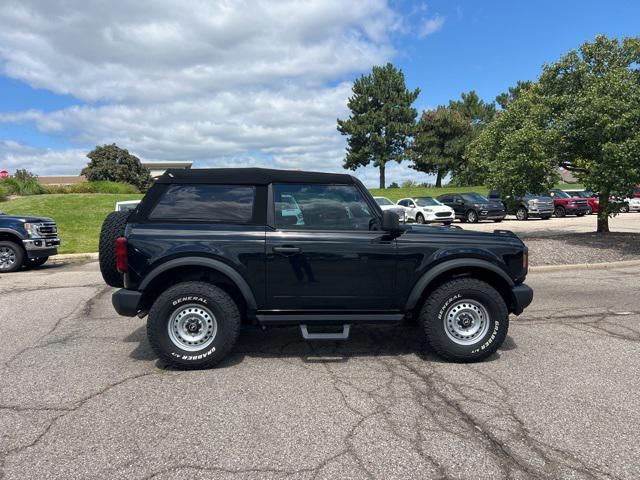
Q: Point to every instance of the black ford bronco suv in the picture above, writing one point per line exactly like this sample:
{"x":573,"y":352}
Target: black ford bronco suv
{"x":26,"y":241}
{"x":208,"y":250}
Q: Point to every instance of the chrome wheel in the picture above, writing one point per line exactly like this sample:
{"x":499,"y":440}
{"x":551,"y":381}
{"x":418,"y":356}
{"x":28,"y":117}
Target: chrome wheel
{"x":7,"y":258}
{"x":192,"y":327}
{"x":420,"y":218}
{"x":521,"y":214}
{"x":472,"y":216}
{"x":466,"y":322}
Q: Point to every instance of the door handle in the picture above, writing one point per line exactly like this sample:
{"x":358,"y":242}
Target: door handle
{"x":287,"y":250}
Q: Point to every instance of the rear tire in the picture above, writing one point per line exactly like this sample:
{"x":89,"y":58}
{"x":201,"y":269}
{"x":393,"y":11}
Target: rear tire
{"x":465,"y":320}
{"x":112,"y":228}
{"x":11,"y":257}
{"x":193,"y":325}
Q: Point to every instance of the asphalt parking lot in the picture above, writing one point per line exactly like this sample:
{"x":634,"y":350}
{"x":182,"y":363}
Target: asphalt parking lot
{"x":624,"y":222}
{"x":82,"y":396}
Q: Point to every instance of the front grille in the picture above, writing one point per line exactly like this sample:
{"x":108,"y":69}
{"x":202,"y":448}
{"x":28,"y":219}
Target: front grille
{"x":48,"y":230}
{"x":443,"y":214}
{"x":495,"y":213}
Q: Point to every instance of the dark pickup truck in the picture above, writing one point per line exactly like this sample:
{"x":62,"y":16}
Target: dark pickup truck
{"x":525,"y":207}
{"x":208,"y":250}
{"x":25,"y":240}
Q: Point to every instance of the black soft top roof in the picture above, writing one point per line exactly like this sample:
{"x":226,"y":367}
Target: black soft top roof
{"x":250,"y":176}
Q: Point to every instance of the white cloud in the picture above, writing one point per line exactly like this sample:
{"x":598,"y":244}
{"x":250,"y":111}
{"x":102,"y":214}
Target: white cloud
{"x":431,"y":25}
{"x":44,"y":161}
{"x":218,"y":82}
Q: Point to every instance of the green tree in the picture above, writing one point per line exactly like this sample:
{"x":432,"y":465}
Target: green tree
{"x":478,"y":113}
{"x":440,"y":140}
{"x":594,"y":99}
{"x":115,"y":164}
{"x":382,"y":121}
{"x":505,"y":98}
{"x":513,"y":151}
{"x":583,"y":114}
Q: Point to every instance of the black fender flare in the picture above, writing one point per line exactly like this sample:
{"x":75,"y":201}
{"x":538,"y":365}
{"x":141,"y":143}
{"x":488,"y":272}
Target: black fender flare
{"x":211,"y":263}
{"x":447,"y":265}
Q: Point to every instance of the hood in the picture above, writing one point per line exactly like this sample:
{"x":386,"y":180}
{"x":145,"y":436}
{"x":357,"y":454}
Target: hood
{"x":455,"y":233}
{"x":22,"y":219}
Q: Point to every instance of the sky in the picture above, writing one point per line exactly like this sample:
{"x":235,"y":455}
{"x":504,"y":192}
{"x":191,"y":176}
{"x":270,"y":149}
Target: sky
{"x":256,"y":83}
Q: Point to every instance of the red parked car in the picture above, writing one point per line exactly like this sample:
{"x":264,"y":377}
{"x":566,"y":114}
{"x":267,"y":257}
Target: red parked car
{"x":592,"y":198}
{"x":565,"y":204}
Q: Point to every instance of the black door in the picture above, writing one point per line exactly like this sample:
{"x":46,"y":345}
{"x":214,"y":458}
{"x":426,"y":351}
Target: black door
{"x":325,"y":254}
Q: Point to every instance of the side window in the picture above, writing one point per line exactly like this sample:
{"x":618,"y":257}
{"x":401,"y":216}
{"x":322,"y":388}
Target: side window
{"x":446,"y":199}
{"x":206,"y":203}
{"x":402,"y":203}
{"x":321,"y":207}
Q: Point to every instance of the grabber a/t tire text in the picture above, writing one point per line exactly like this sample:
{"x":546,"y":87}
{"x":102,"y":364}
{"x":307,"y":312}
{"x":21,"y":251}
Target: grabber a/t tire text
{"x":193,"y":325}
{"x":465,"y":320}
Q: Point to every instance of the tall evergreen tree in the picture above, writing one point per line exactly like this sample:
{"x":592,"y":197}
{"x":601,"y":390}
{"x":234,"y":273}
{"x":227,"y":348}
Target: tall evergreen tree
{"x":441,"y":137}
{"x":382,"y":121}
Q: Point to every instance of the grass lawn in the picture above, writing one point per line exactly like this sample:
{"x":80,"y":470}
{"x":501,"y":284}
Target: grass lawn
{"x":79,"y":215}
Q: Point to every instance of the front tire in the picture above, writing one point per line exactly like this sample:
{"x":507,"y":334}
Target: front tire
{"x":472,"y":216}
{"x":465,"y":320}
{"x":420,"y":218}
{"x":522,"y":214}
{"x":589,"y":210}
{"x":11,"y":257}
{"x":193,"y":325}
{"x":559,"y":212}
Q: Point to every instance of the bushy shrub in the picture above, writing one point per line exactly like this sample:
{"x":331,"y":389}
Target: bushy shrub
{"x":94,"y":187}
{"x":23,"y":186}
{"x":4,"y":193}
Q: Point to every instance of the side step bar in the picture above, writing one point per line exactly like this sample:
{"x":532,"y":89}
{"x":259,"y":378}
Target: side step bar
{"x":344,"y":335}
{"x":326,"y":318}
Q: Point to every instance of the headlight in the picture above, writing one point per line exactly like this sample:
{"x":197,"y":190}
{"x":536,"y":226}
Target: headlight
{"x":33,"y":229}
{"x":428,"y":210}
{"x":533,"y":201}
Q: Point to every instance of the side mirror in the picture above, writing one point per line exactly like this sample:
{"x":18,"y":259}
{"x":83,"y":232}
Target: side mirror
{"x":390,"y":221}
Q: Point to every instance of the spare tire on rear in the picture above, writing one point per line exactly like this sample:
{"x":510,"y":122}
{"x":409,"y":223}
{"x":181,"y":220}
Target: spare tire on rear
{"x":112,"y":228}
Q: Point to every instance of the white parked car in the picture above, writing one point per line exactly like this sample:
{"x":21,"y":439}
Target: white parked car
{"x":126,"y":205}
{"x":386,"y":204}
{"x":427,"y":210}
{"x":634,"y":204}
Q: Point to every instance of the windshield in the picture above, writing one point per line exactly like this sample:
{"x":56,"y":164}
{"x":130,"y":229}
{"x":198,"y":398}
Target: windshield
{"x":561,"y":194}
{"x":427,"y":202}
{"x":474,"y":198}
{"x":383,"y":201}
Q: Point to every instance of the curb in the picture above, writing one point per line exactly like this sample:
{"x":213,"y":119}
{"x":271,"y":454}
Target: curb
{"x":585,"y":266}
{"x":73,"y":257}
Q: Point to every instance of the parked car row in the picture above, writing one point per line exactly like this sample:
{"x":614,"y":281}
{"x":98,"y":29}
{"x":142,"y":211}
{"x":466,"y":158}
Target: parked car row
{"x":473,"y":207}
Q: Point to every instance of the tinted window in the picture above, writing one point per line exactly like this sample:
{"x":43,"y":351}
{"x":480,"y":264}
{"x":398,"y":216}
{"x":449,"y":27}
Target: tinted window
{"x":427,"y":201}
{"x":402,"y":203}
{"x":206,"y":203}
{"x":321,"y":207}
{"x":446,"y":199}
{"x":383,"y":201}
{"x":474,"y":197}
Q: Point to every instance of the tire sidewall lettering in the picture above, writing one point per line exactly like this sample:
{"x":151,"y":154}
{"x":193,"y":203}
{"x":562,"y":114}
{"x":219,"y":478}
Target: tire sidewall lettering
{"x":190,"y":298}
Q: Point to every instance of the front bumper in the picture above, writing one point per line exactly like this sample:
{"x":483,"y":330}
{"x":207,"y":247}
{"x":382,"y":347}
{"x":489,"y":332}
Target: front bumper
{"x":491,"y":216}
{"x":433,"y":219}
{"x":634,"y":208}
{"x":41,"y":247}
{"x":521,"y":298}
{"x":577,"y":210}
{"x":126,"y":302}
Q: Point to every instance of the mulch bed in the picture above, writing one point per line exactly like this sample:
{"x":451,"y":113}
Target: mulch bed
{"x":582,"y":248}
